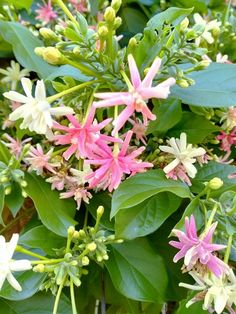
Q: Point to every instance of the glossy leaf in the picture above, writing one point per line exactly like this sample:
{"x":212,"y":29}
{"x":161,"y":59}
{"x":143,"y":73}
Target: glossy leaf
{"x":138,"y":188}
{"x":56,"y":214}
{"x":214,"y":87}
{"x":40,"y":237}
{"x":137,"y":272}
{"x":15,"y":200}
{"x":23,"y":44}
{"x":67,"y":70}
{"x":146,"y":217}
{"x":196,"y":127}
{"x":196,"y":308}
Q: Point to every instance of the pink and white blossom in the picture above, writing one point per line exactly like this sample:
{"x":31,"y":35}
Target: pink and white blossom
{"x":45,"y":13}
{"x":15,"y":146}
{"x":137,"y":96}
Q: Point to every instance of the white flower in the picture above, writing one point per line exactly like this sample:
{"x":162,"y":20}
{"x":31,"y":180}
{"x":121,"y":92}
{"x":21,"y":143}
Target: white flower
{"x":7,"y":265}
{"x":219,"y":292}
{"x":36,"y":112}
{"x":184,"y":154}
{"x":208,"y":26}
{"x":13,"y":74}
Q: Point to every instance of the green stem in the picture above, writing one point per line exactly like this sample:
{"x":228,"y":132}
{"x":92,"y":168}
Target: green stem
{"x":109,"y":42}
{"x":66,"y":11}
{"x":72,"y":296}
{"x":84,"y":69}
{"x":127,"y":80}
{"x":48,"y":261}
{"x":228,"y":249}
{"x":57,"y":152}
{"x":210,"y":220}
{"x":70,"y":90}
{"x":58,"y":295}
{"x":22,"y":250}
{"x":85,"y":218}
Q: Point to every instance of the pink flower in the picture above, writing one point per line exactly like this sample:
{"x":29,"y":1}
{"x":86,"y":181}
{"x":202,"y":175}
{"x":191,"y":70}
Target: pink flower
{"x":114,"y":164}
{"x":137,"y":96}
{"x":227,"y":140}
{"x":79,"y":194}
{"x":198,"y":249}
{"x":39,"y":161}
{"x":179,"y":172}
{"x":79,"y":5}
{"x":45,"y":13}
{"x":82,"y":137}
{"x":139,"y":130}
{"x":59,"y":180}
{"x":15,"y":146}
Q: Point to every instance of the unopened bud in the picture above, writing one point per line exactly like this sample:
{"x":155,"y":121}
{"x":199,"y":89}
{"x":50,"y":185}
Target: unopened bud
{"x":105,"y":257}
{"x":71,"y":231}
{"x":52,"y":55}
{"x":85,"y":261}
{"x":39,"y":51}
{"x":7,"y":190}
{"x":91,"y":246}
{"x":161,"y":159}
{"x":119,"y":241}
{"x":116,"y":4}
{"x":100,"y":211}
{"x":24,"y":194}
{"x":202,"y":65}
{"x":117,"y":22}
{"x":39,"y":268}
{"x":23,"y":183}
{"x":215,"y":183}
{"x":109,"y":15}
{"x":68,"y":257}
{"x":77,"y":51}
{"x":103,"y":31}
{"x":4,"y":179}
{"x":184,"y":24}
{"x":132,"y":42}
{"x":76,"y":235}
{"x":81,"y":234}
{"x":182,"y":83}
{"x":47,"y":33}
{"x":84,"y":271}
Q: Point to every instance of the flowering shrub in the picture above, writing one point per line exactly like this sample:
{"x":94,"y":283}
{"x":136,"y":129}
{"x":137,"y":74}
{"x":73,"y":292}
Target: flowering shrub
{"x":118,"y":124}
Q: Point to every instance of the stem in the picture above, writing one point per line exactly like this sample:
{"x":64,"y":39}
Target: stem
{"x":48,"y":261}
{"x":103,"y":298}
{"x":70,"y":90}
{"x":228,"y":249}
{"x":213,"y":212}
{"x":66,"y":11}
{"x":109,"y":42}
{"x":58,"y":295}
{"x":20,"y":249}
{"x":127,"y":80}
{"x":85,"y":219}
{"x":82,"y":68}
{"x":72,"y":296}
{"x":68,"y":243}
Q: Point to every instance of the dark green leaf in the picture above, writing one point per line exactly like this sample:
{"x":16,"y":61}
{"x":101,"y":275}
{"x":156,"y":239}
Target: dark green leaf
{"x":196,"y":127}
{"x":137,"y":272}
{"x":41,"y":238}
{"x":56,"y":214}
{"x":2,"y":197}
{"x":142,"y":186}
{"x":196,"y":308}
{"x":23,"y":43}
{"x":15,"y":200}
{"x":30,"y":283}
{"x":168,"y":114}
{"x":146,"y":217}
{"x":214,"y":87}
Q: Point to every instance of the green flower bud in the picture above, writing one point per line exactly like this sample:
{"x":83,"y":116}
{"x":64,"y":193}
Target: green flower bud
{"x":24,"y":194}
{"x":103,"y":31}
{"x":70,"y":231}
{"x":85,"y":261}
{"x":132,"y":42}
{"x":117,"y":22}
{"x":109,"y":15}
{"x":47,"y":33}
{"x":202,"y":65}
{"x":39,"y":268}
{"x":68,"y":257}
{"x":215,"y":183}
{"x":7,"y":190}
{"x":39,"y":51}
{"x":4,"y":179}
{"x":50,"y":54}
{"x":100,"y":211}
{"x":184,"y":24}
{"x":182,"y":83}
{"x":91,"y":246}
{"x":116,"y":4}
{"x":23,"y":183}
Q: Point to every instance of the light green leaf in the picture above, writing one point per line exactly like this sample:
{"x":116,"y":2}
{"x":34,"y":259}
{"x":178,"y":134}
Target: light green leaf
{"x":22,"y":4}
{"x":56,"y":214}
{"x":138,"y":188}
{"x":214,"y":87}
{"x":41,"y":238}
{"x":146,"y":217}
{"x":68,"y":70}
{"x":23,"y":43}
{"x":137,"y":272}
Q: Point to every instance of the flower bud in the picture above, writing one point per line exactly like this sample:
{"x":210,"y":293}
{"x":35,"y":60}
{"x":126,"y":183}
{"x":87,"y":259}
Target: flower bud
{"x":50,"y":54}
{"x":202,"y":65}
{"x":182,"y":83}
{"x":4,"y":179}
{"x":24,"y":194}
{"x":117,"y":22}
{"x":103,"y":31}
{"x":100,"y":211}
{"x":85,"y":261}
{"x":68,"y":257}
{"x":39,"y":268}
{"x":7,"y":190}
{"x":109,"y":15}
{"x":81,"y":234}
{"x":47,"y":33}
{"x":215,"y":183}
{"x":70,"y":231}
{"x":23,"y":183}
{"x":132,"y":42}
{"x":91,"y":246}
{"x":184,"y":24}
{"x":39,"y":51}
{"x":116,"y":4}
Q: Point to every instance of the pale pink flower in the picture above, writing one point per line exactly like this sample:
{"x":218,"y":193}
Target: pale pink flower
{"x":82,"y":137}
{"x":179,"y":172}
{"x":79,"y":194}
{"x":114,"y":164}
{"x":15,"y":145}
{"x":45,"y":13}
{"x":229,"y":118}
{"x":59,"y":180}
{"x":196,"y":248}
{"x":137,"y":96}
{"x":39,"y":161}
{"x":139,"y":130}
{"x":227,"y":140}
{"x":79,"y":5}
{"x":219,"y":58}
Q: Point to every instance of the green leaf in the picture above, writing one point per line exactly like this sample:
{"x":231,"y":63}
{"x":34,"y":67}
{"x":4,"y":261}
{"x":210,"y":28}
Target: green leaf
{"x":40,"y":303}
{"x":23,"y":43}
{"x":146,"y":217}
{"x":170,"y":16}
{"x":211,"y":170}
{"x":68,"y":70}
{"x":22,"y":4}
{"x":168,"y":114}
{"x":137,"y":272}
{"x":214,"y":87}
{"x":195,"y":308}
{"x":56,"y":214}
{"x":15,"y":200}
{"x":30,"y":283}
{"x":4,"y":153}
{"x":41,"y":238}
{"x":138,"y":188}
{"x":2,"y":198}
{"x":196,"y":127}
